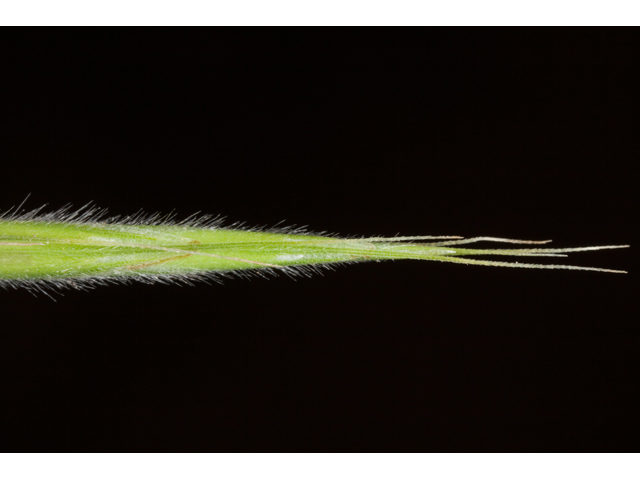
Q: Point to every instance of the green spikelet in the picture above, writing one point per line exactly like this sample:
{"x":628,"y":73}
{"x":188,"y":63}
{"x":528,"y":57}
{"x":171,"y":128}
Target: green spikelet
{"x":80,"y":249}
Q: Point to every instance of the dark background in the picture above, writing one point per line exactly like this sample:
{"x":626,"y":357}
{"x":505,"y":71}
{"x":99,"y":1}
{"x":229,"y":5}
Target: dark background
{"x":516,"y":133}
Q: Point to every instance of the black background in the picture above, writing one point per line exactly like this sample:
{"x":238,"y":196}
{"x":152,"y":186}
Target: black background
{"x":515,"y":133}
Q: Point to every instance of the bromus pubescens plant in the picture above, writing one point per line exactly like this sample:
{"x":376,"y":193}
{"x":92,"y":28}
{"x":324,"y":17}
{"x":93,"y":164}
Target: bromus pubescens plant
{"x":80,"y":249}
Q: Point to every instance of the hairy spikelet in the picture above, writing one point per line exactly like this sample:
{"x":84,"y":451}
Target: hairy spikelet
{"x":83,"y":248}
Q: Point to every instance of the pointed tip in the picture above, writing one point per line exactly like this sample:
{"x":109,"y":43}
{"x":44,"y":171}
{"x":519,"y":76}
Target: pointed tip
{"x":609,"y":271}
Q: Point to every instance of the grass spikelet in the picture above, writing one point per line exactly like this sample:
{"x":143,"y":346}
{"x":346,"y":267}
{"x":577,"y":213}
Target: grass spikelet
{"x":83,"y":248}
